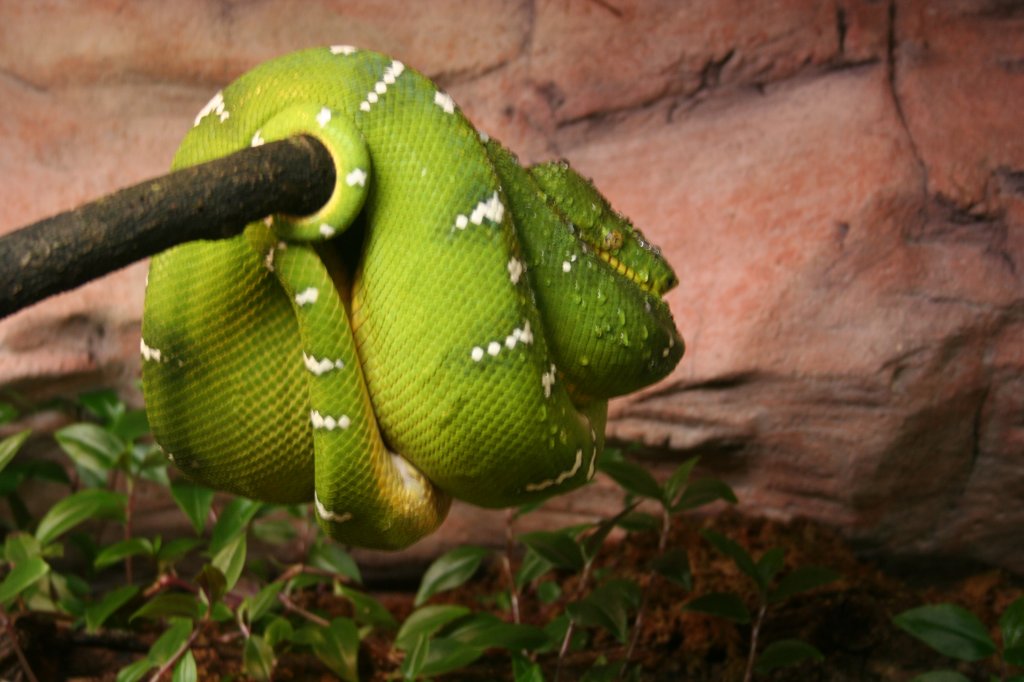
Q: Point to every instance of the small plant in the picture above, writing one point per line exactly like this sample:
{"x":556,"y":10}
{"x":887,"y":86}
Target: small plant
{"x":956,"y":632}
{"x":772,"y":587}
{"x":560,"y":577}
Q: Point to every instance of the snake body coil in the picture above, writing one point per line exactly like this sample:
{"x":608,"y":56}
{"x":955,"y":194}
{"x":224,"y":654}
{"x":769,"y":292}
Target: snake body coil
{"x":449,"y":324}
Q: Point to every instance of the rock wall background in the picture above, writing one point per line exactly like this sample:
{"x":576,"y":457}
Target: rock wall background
{"x":839,"y":184}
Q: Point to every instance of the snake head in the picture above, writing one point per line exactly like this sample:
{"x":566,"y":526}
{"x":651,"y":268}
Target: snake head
{"x":609,"y":233}
{"x":612,"y":331}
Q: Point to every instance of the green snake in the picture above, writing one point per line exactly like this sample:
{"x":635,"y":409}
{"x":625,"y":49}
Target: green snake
{"x":449,"y":324}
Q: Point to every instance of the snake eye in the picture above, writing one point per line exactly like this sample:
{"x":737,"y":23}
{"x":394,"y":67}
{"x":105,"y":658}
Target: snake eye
{"x":612,"y":240}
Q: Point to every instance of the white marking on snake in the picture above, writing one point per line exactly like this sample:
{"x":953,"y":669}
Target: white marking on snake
{"x":664,"y":353}
{"x":327,"y":515}
{"x":445,"y":101}
{"x":214,"y":106}
{"x":308,"y":295}
{"x":326,"y":230}
{"x":268,"y":262}
{"x":566,"y":266}
{"x":324,"y":117}
{"x":547,"y":380}
{"x":523,"y":335}
{"x":484,"y":137}
{"x":411,"y":478}
{"x":593,"y":461}
{"x":320,"y":366}
{"x":356,"y":177}
{"x":560,"y":478}
{"x":515,"y":270}
{"x":170,"y":457}
{"x":257,"y":139}
{"x":490,"y":208}
{"x":328,"y":422}
{"x":390,"y":75}
{"x":343,"y":49}
{"x":149,"y":353}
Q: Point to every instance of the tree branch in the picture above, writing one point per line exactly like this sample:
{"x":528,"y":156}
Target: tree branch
{"x":210,"y":201}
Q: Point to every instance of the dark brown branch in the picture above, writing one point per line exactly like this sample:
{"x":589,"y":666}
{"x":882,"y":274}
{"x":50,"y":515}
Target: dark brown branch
{"x":210,"y":201}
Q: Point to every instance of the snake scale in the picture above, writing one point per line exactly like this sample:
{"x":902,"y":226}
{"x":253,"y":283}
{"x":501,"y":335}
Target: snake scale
{"x":449,"y":324}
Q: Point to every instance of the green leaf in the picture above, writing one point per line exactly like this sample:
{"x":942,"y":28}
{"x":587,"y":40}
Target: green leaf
{"x":104,"y":404}
{"x":278,"y":630}
{"x":331,"y":557}
{"x":122,"y":550}
{"x":949,"y":629}
{"x":97,"y":614}
{"x":486,"y":631}
{"x":801,"y":579}
{"x":640,"y":522}
{"x":259,"y":604}
{"x":173,"y":638}
{"x":170,"y":604}
{"x":91,"y":447}
{"x":1014,"y":655}
{"x":212,"y":582}
{"x":176,"y":548}
{"x":557,"y":548}
{"x":425,"y":621}
{"x":533,"y":567}
{"x":8,"y":413}
{"x":76,"y":508}
{"x":608,"y":607}
{"x":593,"y":542}
{"x":677,"y":481}
{"x":701,"y":492}
{"x":941,"y":676}
{"x":132,"y":425}
{"x":233,"y":521}
{"x":1011,"y":623}
{"x":10,"y":445}
{"x":549,"y":591}
{"x":258,"y":658}
{"x":674,"y":565}
{"x":450,"y":570}
{"x":20,"y":546}
{"x":185,"y":669}
{"x":194,"y":500}
{"x":339,"y":648}
{"x":135,"y":671}
{"x":23,"y":575}
{"x":770,"y":563}
{"x":722,"y":604}
{"x":231,"y":559}
{"x":416,"y":651}
{"x":525,"y":670}
{"x":446,"y":655}
{"x":786,"y":652}
{"x":367,"y":610}
{"x":632,"y":477}
{"x":274,"y":531}
{"x":739,"y":556}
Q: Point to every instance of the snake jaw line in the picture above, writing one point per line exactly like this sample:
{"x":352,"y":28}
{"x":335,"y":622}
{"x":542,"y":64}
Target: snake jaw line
{"x":327,"y":515}
{"x":560,"y":478}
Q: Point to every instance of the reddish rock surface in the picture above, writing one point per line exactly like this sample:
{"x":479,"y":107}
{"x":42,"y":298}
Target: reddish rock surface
{"x":840,"y":186}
